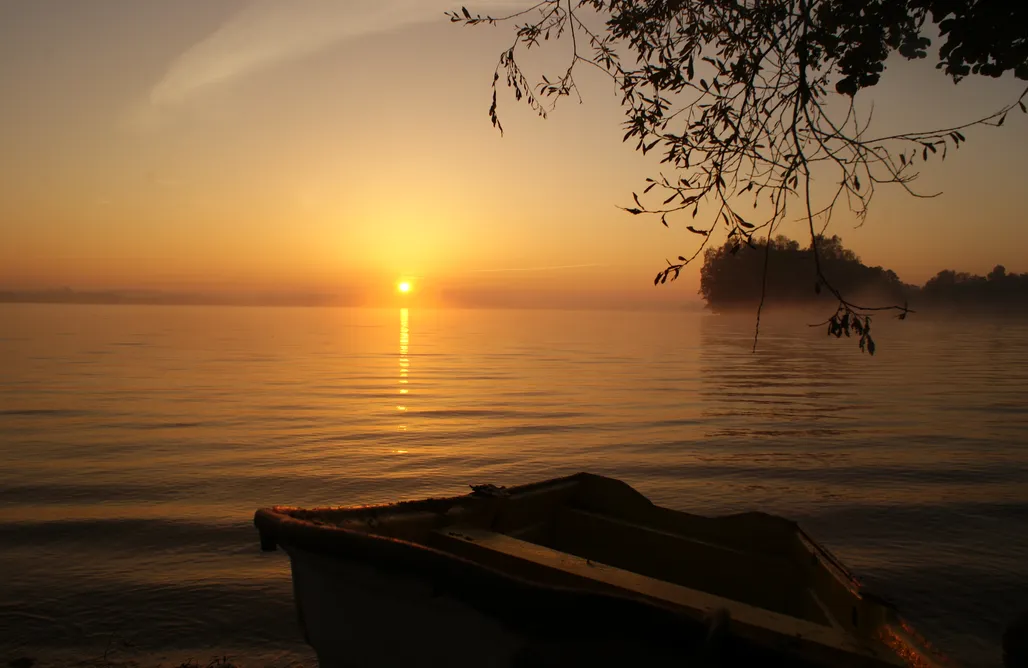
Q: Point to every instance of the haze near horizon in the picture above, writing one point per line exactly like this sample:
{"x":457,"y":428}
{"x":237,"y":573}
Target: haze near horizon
{"x":338,"y":148}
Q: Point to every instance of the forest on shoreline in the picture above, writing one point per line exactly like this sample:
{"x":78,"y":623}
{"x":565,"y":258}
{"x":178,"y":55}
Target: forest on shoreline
{"x":733,"y":277}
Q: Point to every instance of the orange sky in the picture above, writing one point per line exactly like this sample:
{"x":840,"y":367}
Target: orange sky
{"x":325,"y":146}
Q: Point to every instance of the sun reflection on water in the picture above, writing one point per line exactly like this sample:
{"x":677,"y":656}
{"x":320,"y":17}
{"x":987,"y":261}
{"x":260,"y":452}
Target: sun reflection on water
{"x":404,"y":362}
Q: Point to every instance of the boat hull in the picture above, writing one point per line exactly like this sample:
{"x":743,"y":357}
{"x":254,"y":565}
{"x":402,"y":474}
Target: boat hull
{"x":355,"y":615}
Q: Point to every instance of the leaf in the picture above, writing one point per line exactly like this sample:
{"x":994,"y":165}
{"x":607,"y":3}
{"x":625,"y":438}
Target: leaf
{"x":1024,"y":109}
{"x":681,"y":258}
{"x":695,"y":231}
{"x":634,"y":212}
{"x":870,"y":346}
{"x":1001,"y":119}
{"x":467,"y":14}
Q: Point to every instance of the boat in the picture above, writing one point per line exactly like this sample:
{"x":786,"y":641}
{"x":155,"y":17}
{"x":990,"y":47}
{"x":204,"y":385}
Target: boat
{"x":580,"y":570}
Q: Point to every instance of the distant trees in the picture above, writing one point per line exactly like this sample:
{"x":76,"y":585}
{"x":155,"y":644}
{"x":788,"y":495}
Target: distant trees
{"x":998,"y":291}
{"x":734,"y":277}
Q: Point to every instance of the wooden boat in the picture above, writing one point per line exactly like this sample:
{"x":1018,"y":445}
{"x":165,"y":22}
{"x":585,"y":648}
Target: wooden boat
{"x":582,"y":570}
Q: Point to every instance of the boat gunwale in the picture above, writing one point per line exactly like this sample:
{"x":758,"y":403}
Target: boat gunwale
{"x":413,"y":505}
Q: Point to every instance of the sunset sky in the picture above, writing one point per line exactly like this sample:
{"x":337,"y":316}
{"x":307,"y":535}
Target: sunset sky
{"x":343,"y":146}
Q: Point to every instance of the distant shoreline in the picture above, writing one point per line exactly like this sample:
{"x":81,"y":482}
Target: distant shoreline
{"x":915,"y":310}
{"x":165,"y":299}
{"x":814,"y":309}
{"x":142,"y":298}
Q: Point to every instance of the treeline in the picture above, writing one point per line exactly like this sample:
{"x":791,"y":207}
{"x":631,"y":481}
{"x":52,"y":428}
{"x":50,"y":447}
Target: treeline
{"x":998,"y":291}
{"x":733,"y":277}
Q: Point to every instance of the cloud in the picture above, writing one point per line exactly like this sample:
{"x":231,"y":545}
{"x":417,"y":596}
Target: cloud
{"x":269,"y":32}
{"x":556,"y":268}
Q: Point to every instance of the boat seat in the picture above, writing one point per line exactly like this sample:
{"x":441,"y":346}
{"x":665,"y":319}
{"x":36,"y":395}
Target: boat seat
{"x":765,"y":580}
{"x":762,"y":627}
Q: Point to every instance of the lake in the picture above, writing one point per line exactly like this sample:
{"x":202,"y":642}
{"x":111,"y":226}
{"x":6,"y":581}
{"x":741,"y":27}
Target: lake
{"x":137,"y":441}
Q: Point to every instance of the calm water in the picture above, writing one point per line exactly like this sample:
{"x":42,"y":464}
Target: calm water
{"x":136,"y":442}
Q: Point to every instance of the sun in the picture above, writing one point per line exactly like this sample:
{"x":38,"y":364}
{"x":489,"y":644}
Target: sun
{"x":404,"y":287}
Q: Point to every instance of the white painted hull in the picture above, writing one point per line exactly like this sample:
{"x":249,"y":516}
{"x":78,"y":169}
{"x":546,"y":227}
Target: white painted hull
{"x":355,"y":616}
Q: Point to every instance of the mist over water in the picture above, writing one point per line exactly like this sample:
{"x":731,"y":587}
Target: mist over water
{"x":137,"y":441}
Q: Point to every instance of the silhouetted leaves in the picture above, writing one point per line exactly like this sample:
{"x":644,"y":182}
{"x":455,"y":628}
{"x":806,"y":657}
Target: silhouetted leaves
{"x":756,"y":117}
{"x":844,"y":321}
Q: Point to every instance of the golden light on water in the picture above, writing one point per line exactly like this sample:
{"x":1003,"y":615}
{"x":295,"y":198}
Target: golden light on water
{"x":404,"y":360}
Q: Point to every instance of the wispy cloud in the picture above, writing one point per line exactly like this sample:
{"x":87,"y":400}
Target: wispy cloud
{"x":270,"y":32}
{"x":555,"y":268}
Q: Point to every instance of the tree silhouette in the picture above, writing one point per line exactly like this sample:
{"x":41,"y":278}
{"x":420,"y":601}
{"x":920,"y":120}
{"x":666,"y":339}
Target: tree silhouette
{"x":734,"y":94}
{"x":997,"y":292}
{"x":732,"y":279}
{"x":778,"y":273}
